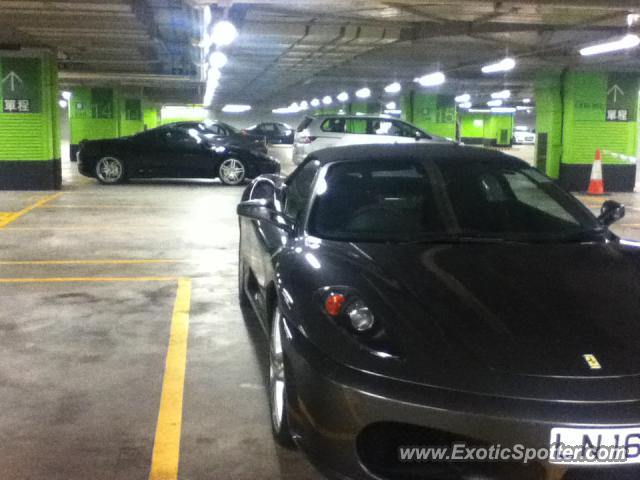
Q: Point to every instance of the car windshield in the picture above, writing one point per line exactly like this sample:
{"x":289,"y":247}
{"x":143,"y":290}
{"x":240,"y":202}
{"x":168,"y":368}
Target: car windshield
{"x":445,"y":200}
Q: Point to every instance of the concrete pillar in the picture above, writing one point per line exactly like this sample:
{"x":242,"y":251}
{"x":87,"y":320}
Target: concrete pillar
{"x":433,"y":113}
{"x":29,"y":121}
{"x":596,"y":110}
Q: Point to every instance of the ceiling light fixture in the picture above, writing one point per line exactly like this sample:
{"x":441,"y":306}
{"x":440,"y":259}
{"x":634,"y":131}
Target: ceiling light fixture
{"x":63,"y":103}
{"x":503,"y":65}
{"x":391,"y":106}
{"x":284,"y":110}
{"x":431,"y":79}
{"x":343,"y":97}
{"x":327,"y":100}
{"x":503,"y":110}
{"x":494,"y":103}
{"x":217,"y":59}
{"x":464,"y":98}
{"x":224,"y":33}
{"x":629,"y":41}
{"x":503,"y":94}
{"x":232,"y":108}
{"x":304,"y":105}
{"x":394,"y":87}
{"x":526,"y":100}
{"x":66,"y":95}
{"x":315,"y":103}
{"x":465,"y":105}
{"x":363,"y":93}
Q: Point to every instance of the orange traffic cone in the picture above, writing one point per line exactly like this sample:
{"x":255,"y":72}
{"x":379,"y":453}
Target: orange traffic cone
{"x":596,"y":184}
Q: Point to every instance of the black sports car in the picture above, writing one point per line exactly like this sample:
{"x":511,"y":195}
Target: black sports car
{"x":275,"y":132}
{"x":426,"y":295}
{"x":173,"y":151}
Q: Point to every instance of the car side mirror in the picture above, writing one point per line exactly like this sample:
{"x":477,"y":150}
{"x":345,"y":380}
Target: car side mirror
{"x":264,"y":210}
{"x":611,"y":212}
{"x":417,"y":135}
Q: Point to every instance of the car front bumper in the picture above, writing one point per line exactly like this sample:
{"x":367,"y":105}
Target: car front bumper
{"x":350,"y":424}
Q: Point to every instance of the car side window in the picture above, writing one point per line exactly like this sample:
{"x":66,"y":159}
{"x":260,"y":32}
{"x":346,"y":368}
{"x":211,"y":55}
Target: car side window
{"x":299,"y":190}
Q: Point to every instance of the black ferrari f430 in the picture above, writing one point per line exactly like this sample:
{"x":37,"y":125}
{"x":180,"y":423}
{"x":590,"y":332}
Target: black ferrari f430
{"x":180,"y":150}
{"x":432,"y":296}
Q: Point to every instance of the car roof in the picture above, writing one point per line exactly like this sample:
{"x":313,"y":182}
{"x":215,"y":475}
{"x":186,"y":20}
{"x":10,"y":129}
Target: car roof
{"x":417,"y":151}
{"x":353,"y":117}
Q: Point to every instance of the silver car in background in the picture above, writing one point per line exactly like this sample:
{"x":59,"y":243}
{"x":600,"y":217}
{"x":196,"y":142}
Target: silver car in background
{"x":322,"y":131}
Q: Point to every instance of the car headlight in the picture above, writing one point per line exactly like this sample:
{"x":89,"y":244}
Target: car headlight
{"x":360,"y":317}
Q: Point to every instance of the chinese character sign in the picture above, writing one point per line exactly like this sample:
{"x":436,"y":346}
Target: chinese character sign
{"x":20,"y":85}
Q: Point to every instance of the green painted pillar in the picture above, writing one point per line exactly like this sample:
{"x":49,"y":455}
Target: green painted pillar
{"x":93,"y":115}
{"x":406,"y":107}
{"x":131,"y":120}
{"x":151,"y":117}
{"x":600,"y":112}
{"x":435,"y":113}
{"x":29,"y":122}
{"x":549,"y":112}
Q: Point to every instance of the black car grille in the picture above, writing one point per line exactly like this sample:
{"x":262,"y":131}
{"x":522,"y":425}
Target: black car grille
{"x":378,"y":449}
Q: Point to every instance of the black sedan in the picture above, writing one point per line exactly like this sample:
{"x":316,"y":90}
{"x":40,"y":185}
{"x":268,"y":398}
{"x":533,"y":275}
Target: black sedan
{"x":172,"y":151}
{"x":275,"y":132}
{"x":434,"y":295}
{"x":222,"y":133}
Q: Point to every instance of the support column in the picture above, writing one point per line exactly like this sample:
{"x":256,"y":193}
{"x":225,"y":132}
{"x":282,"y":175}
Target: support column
{"x":433,"y":113}
{"x":596,"y":110}
{"x":29,"y":122}
{"x":93,"y":115}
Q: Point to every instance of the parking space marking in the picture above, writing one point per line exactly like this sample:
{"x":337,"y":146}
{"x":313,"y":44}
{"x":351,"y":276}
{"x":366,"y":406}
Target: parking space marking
{"x":94,"y":262}
{"x":14,"y":216}
{"x":166,"y":447}
{"x":86,"y":279}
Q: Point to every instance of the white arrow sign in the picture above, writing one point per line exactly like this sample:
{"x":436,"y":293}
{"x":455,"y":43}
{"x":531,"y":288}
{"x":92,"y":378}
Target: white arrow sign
{"x":12,"y":77}
{"x":615,"y":90}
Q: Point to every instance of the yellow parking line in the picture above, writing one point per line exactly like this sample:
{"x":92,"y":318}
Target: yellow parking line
{"x":86,"y":279}
{"x":13,"y":217}
{"x":91,"y":262}
{"x":166,"y":447}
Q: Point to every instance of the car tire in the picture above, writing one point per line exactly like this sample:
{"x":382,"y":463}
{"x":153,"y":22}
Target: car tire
{"x":110,"y":170}
{"x":232,"y":171}
{"x":278,"y":407}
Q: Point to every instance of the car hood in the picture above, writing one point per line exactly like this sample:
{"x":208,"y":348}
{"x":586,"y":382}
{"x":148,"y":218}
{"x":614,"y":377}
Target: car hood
{"x":522,"y":309}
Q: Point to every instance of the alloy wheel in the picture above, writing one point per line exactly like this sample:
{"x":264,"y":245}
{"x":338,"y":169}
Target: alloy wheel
{"x":232,"y":171}
{"x":109,"y":170}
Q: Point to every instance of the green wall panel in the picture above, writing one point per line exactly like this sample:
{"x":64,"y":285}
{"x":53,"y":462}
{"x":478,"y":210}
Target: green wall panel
{"x":586,"y":128}
{"x":34,"y":135}
{"x":435,"y":114}
{"x":492,"y":129}
{"x":151,"y":117}
{"x":97,"y":113}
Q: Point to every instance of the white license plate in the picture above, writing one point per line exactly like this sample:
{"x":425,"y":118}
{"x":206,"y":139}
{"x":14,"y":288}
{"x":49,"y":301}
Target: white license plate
{"x":597,"y":446}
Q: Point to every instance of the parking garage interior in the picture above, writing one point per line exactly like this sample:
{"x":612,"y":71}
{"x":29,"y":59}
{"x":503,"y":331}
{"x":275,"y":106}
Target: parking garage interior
{"x":125,"y":352}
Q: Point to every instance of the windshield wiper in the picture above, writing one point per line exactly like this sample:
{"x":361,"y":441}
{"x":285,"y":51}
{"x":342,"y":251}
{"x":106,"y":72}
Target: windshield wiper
{"x":455,"y":238}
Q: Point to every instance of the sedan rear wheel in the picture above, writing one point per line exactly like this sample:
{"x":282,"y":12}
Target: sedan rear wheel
{"x":277,"y":384}
{"x":110,"y":170}
{"x":232,"y":171}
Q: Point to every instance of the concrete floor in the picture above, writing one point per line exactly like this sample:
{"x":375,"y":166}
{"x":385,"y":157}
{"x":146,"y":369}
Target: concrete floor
{"x":82,"y":361}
